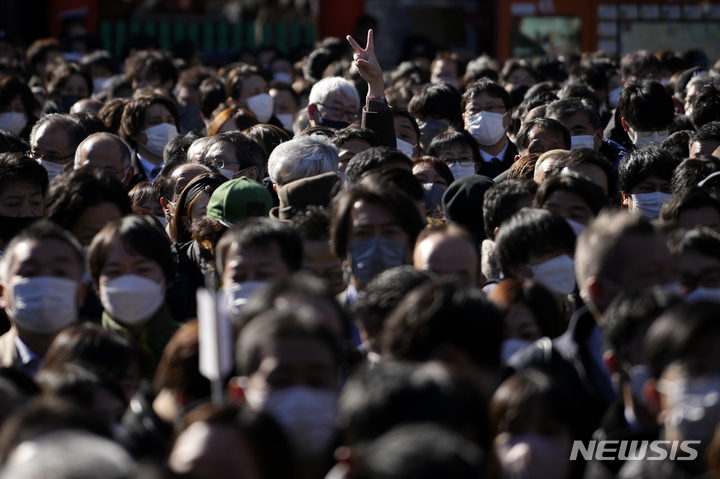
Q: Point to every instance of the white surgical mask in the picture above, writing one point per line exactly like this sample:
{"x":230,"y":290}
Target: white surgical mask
{"x":487,"y":127}
{"x":227,"y":173}
{"x":286,"y":119}
{"x":158,"y":136}
{"x":132,"y":299}
{"x":613,"y":97}
{"x":649,"y":204}
{"x":640,"y":141}
{"x":532,"y":455}
{"x":694,"y":407}
{"x":405,"y":147}
{"x":262,"y":106}
{"x":283,"y":77}
{"x":43,"y":304}
{"x":583,"y":141}
{"x":53,"y":169}
{"x":578,"y":228}
{"x":307,"y":415}
{"x":13,"y":122}
{"x":557,"y":274}
{"x":512,"y":346}
{"x":237,"y":294}
{"x":460,"y":171}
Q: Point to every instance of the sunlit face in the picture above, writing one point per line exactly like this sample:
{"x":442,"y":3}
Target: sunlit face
{"x":93,"y":219}
{"x":254,"y":263}
{"x":21,"y":199}
{"x":253,"y":85}
{"x":120,"y":261}
{"x":349,"y":149}
{"x":427,"y":174}
{"x":283,"y":102}
{"x":570,"y":206}
{"x":541,"y":140}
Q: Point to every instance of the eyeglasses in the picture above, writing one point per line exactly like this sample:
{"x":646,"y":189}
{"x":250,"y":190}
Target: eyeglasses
{"x":50,"y":158}
{"x":707,"y":279}
{"x":221,"y":162}
{"x":648,"y":134}
{"x":463,"y":161}
{"x":351,"y":115}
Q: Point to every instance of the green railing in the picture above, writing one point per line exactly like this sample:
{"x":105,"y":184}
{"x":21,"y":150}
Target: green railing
{"x":210,"y":36}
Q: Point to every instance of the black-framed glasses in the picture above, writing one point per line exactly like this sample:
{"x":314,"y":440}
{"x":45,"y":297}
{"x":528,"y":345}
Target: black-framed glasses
{"x":463,"y":161}
{"x":223,"y":163}
{"x":50,"y":158}
{"x":336,"y":110}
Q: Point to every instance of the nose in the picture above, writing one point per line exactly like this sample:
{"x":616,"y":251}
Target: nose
{"x":25,"y":210}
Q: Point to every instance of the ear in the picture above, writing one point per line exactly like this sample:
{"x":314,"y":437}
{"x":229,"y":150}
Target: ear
{"x":517,"y":157}
{"x":313,"y":114}
{"x":275,"y":187}
{"x":235,"y":391}
{"x":624,"y":124}
{"x":611,"y":362}
{"x":626,"y":199}
{"x":253,"y":173}
{"x":594,"y":288}
{"x":496,"y":231}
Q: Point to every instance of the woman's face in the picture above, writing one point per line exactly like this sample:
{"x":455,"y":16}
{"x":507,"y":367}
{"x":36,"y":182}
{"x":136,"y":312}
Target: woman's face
{"x":93,"y":219}
{"x":519,"y":77}
{"x":76,"y":85}
{"x":427,"y":174}
{"x":121,"y":262}
{"x":197,"y":211}
{"x":15,"y":106}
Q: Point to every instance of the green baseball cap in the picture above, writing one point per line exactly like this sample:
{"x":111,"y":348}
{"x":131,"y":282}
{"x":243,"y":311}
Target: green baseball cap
{"x":235,"y":200}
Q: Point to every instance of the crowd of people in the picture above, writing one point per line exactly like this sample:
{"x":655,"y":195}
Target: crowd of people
{"x":454,"y":267}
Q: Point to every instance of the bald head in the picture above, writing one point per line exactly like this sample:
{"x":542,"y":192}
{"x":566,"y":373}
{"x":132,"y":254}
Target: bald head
{"x":445,"y":253}
{"x":105,"y":151}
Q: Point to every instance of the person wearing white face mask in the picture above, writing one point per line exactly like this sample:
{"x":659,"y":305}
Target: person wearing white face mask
{"x":41,"y":291}
{"x":459,"y":151}
{"x":53,"y":142}
{"x":148,"y":123}
{"x":646,"y":110}
{"x":487,"y":114}
{"x":287,"y":364}
{"x":644,"y":180}
{"x":17,"y":104}
{"x":247,"y":88}
{"x":131,"y":268}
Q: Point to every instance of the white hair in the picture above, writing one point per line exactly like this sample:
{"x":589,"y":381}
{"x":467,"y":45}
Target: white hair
{"x":322,"y":89}
{"x":302,"y":157}
{"x":125,"y":155}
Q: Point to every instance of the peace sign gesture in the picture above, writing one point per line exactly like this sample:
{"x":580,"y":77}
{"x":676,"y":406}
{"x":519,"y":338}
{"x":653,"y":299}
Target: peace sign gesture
{"x":368,"y":66}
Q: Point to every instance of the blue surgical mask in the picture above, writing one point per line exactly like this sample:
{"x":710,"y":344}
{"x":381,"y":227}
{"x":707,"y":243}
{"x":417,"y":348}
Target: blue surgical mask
{"x":372,"y":257}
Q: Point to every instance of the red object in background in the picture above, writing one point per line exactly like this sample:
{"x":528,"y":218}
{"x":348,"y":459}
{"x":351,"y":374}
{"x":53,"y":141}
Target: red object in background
{"x":56,"y":8}
{"x":337,"y":18}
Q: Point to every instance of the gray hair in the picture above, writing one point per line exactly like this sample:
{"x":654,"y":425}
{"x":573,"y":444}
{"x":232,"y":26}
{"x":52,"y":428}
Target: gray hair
{"x":69,"y":454}
{"x":125,"y":154}
{"x":322,"y":89}
{"x":302,"y":157}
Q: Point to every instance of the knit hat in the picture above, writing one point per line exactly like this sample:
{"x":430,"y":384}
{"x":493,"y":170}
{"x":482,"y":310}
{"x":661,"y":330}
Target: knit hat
{"x":238,"y":199}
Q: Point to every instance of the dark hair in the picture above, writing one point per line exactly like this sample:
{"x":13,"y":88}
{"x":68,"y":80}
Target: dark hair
{"x":438,"y":101}
{"x":444,"y":311}
{"x":11,"y":87}
{"x":12,"y":143}
{"x":640,"y":164}
{"x":438,"y":165}
{"x":269,"y":136}
{"x":709,"y":131}
{"x":564,"y":109}
{"x":16,"y":167}
{"x":592,"y":75}
{"x":706,"y":106}
{"x":638,"y":62}
{"x":703,"y":241}
{"x":548,"y":124}
{"x":203,"y":184}
{"x":261,"y":232}
{"x":585,"y":156}
{"x":453,"y":137}
{"x":402,"y":113}
{"x":111,"y":113}
{"x":397,"y":203}
{"x":692,"y":171}
{"x":211,"y":95}
{"x":158,"y":63}
{"x":234,"y":79}
{"x":139,"y":235}
{"x":77,"y":384}
{"x":242,"y":118}
{"x":485,"y":86}
{"x":382,"y":295}
{"x":178,"y":368}
{"x":532,"y":232}
{"x":646,"y":105}
{"x":678,"y":143}
{"x":256,"y":339}
{"x":373,"y":159}
{"x":312,"y":223}
{"x":501,"y":202}
{"x":676,"y":333}
{"x":511,"y":293}
{"x":355,"y":132}
{"x":574,"y":183}
{"x":73,"y":192}
{"x":176,"y":149}
{"x":91,"y":123}
{"x":133,"y":118}
{"x":248,"y":151}
{"x":629,"y":313}
{"x":61,"y":74}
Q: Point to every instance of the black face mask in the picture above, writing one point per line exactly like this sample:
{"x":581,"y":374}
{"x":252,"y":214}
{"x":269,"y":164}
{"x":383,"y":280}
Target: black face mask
{"x":336,"y":124}
{"x":11,"y":226}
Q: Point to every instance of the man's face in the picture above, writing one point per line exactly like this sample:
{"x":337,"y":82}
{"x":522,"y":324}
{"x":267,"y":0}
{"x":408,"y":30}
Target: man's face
{"x":404,"y":131}
{"x":349,"y":149}
{"x":104,"y":155}
{"x":645,"y":262}
{"x":319,"y":261}
{"x":650,"y":184}
{"x":42,"y":258}
{"x":93,"y":219}
{"x":703,"y":147}
{"x":697,"y":270}
{"x":596,"y":174}
{"x":370,"y":220}
{"x":485,"y":102}
{"x":283,"y":102}
{"x":254,"y":263}
{"x":447,"y":255}
{"x":541,"y":140}
{"x":570,"y":206}
{"x":22,"y":199}
{"x":52,"y":145}
{"x":295,"y":362}
{"x":222,"y":155}
{"x":337,"y":107}
{"x":579,"y":124}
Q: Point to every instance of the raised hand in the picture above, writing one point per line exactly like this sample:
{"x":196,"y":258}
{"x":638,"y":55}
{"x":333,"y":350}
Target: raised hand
{"x":368,"y":66}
